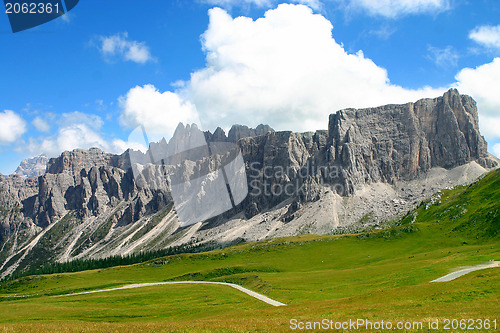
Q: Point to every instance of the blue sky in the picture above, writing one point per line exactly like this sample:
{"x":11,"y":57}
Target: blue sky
{"x":90,"y":77}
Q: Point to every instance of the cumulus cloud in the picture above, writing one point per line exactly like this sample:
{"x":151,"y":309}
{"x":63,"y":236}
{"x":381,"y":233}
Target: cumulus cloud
{"x":119,"y":46}
{"x":67,"y":138}
{"x":40,"y":124}
{"x":385,"y":8}
{"x":284,"y":69}
{"x":74,"y":130}
{"x":489,"y":125}
{"x":397,"y":8}
{"x":159,"y":113}
{"x":121,"y":145}
{"x":482,"y":83}
{"x":12,"y":127}
{"x":487,"y":36}
{"x":496,"y":150}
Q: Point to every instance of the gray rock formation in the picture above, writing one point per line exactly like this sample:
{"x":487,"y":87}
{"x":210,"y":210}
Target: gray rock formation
{"x":414,"y":137}
{"x":218,"y":136}
{"x":73,"y":162}
{"x":238,"y":132}
{"x":375,"y":162}
{"x":32,"y":167}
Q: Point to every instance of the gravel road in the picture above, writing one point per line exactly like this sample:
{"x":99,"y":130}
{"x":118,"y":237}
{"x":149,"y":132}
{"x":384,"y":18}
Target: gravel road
{"x":139,"y":285}
{"x":454,"y":275}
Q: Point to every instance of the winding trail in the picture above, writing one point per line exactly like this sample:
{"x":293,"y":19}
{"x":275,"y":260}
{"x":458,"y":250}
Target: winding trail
{"x":454,"y":275}
{"x":139,"y":285}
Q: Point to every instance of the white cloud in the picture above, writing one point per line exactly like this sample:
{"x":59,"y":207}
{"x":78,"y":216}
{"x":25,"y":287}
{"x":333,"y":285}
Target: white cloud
{"x":486,"y":35}
{"x":483,"y":84}
{"x":67,"y":17}
{"x":496,"y":150}
{"x":119,"y":46}
{"x":284,"y":69}
{"x":75,"y":130}
{"x":12,"y":126}
{"x":77,"y":117}
{"x":120,"y":145}
{"x":383,"y":32}
{"x":314,"y":4}
{"x":231,"y":3}
{"x":489,"y":125}
{"x":397,"y":8}
{"x":75,"y":136}
{"x":41,"y":125}
{"x":446,"y":57}
{"x":159,"y":113}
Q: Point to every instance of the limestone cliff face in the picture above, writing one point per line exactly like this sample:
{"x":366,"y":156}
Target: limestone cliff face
{"x":32,"y":167}
{"x":72,"y":162}
{"x":402,"y":141}
{"x":237,"y":132}
{"x":281,"y":166}
{"x":93,"y":204}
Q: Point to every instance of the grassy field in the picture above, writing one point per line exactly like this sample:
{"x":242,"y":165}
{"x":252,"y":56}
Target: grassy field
{"x":377,"y":275}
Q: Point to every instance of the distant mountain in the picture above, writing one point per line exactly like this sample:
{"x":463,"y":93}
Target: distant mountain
{"x":32,"y":167}
{"x":369,"y":166}
{"x":238,"y":132}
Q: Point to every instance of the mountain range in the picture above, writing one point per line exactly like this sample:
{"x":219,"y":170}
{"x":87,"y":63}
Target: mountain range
{"x":368,"y":167}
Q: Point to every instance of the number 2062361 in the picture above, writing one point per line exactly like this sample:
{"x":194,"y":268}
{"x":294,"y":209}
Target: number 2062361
{"x":470,"y":324}
{"x":31,"y":8}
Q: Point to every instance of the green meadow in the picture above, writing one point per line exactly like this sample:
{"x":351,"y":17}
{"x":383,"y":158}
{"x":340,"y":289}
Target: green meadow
{"x":377,"y":275}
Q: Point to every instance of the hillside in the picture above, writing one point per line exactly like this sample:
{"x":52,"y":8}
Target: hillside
{"x":382,"y":274}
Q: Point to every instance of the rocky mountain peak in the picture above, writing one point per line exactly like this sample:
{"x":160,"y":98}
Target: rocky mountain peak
{"x":238,"y":132}
{"x":74,"y":161}
{"x":401,"y":141}
{"x":219,"y":135}
{"x":32,"y":167}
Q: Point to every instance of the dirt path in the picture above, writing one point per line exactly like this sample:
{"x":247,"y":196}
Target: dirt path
{"x":139,"y":285}
{"x":454,"y":275}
